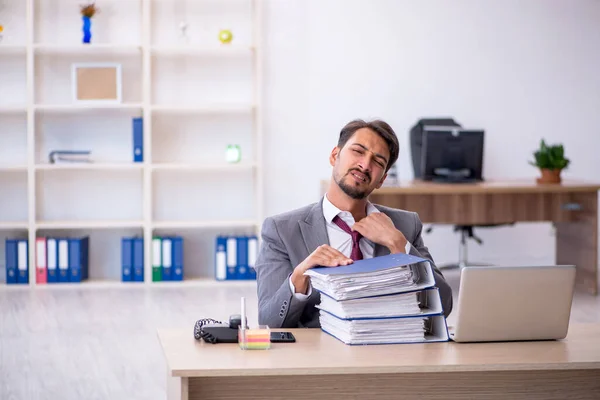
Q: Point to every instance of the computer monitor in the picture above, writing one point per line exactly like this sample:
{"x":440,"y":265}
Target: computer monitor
{"x":451,"y":154}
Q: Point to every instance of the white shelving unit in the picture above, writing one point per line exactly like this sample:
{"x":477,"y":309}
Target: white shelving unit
{"x":196,"y":96}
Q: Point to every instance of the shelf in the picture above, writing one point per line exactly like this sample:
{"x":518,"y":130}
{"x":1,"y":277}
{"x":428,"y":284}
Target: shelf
{"x":13,"y":49}
{"x":204,"y":109}
{"x":204,"y":282}
{"x":71,"y":108}
{"x":16,"y":109}
{"x":52,"y":48}
{"x":13,"y":225}
{"x":90,"y":166}
{"x":88,"y":224}
{"x":13,"y":168}
{"x":204,"y":224}
{"x":114,"y":284}
{"x":191,"y":50}
{"x":204,"y":167}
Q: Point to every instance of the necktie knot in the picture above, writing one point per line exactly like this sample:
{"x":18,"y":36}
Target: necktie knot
{"x":356,"y":254}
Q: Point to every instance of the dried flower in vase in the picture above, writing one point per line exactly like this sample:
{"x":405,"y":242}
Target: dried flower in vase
{"x":89,"y":10}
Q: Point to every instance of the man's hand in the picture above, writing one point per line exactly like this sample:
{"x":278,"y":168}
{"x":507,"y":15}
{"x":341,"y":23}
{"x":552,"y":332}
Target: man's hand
{"x":325,"y":256}
{"x":380,"y":229}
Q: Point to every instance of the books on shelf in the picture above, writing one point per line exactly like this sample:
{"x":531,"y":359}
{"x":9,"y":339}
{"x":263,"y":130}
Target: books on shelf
{"x":235,"y":257}
{"x":16,"y":261}
{"x":381,"y":300}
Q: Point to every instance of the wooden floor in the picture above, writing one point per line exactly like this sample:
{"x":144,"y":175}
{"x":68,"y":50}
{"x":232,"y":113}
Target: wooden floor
{"x":101,"y":343}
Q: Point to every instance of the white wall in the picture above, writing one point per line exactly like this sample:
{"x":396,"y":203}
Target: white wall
{"x":522,"y":70}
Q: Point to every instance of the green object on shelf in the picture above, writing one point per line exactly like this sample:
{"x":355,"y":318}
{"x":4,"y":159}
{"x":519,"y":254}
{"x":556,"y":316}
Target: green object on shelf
{"x":233,"y":153}
{"x":156,"y":259}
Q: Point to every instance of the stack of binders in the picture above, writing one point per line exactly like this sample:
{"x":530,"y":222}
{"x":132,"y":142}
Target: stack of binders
{"x":17,"y":261}
{"x":167,"y":259}
{"x":235,"y":257}
{"x":61,"y":260}
{"x":382,"y":300}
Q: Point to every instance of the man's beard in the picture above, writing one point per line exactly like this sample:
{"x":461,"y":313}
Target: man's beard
{"x":350,"y":190}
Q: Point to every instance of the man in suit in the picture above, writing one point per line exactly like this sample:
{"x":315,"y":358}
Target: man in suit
{"x":344,"y":226}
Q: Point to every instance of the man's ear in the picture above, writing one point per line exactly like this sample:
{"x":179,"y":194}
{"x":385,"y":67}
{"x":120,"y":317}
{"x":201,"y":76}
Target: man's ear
{"x":381,"y":181}
{"x":334,"y":155}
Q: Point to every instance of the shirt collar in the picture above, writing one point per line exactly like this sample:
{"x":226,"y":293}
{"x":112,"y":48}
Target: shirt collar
{"x":330,"y":211}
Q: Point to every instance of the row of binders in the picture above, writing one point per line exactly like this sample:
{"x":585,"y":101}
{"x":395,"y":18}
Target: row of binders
{"x":57,"y":260}
{"x":381,"y":300}
{"x":167,"y":259}
{"x":235,"y":257}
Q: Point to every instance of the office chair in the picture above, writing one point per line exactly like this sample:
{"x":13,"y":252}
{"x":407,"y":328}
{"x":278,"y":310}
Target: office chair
{"x":466,"y":231}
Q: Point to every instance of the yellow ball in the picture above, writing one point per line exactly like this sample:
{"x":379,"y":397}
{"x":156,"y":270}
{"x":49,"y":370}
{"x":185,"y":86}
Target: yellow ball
{"x":225,"y":36}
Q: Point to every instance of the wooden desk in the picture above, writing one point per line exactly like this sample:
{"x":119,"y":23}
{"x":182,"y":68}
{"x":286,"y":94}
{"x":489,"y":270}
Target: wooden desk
{"x":571,"y":206}
{"x":319,"y":366}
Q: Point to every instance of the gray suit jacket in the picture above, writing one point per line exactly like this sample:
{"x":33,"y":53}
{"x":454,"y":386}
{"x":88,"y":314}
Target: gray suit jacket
{"x":287,"y":239}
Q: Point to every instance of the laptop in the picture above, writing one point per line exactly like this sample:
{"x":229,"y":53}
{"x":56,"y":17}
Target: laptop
{"x":514,"y":303}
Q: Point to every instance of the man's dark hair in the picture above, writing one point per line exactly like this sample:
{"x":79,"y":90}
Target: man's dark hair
{"x":378,"y":126}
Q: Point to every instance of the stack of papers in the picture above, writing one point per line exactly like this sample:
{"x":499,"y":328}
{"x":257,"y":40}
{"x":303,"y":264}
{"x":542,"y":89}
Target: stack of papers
{"x":395,"y":305}
{"x":388,"y":299}
{"x":374,"y":331}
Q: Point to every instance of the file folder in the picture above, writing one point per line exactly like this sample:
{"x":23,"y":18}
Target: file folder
{"x":177,"y":258}
{"x":221,"y":258}
{"x":323,"y":279}
{"x":435,"y":329}
{"x":428,"y":302}
{"x":126,"y":259}
{"x":78,"y":259}
{"x":138,"y":260}
{"x":167,"y":259}
{"x":231,"y":250}
{"x":52,"y":259}
{"x":138,"y":139}
{"x":156,"y":259}
{"x":252,"y":254}
{"x":242,"y":257}
{"x":11,"y":256}
{"x":22,"y":261}
{"x":41,"y":272}
{"x":63,"y":260}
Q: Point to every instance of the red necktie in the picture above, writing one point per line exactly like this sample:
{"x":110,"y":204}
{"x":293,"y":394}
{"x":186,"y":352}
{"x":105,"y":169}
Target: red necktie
{"x":356,"y":254}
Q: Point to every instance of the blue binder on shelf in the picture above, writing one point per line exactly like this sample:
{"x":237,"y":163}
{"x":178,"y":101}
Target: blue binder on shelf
{"x":52,"y":259}
{"x":252,"y":255}
{"x":242,"y":257}
{"x":22,"y":261}
{"x":126,"y":259}
{"x":232,"y":260}
{"x":78,"y":259}
{"x":63,"y":260}
{"x":221,"y":258}
{"x":138,"y":139}
{"x":167,"y":259}
{"x":11,"y":256}
{"x":177,"y":258}
{"x":138,"y":259}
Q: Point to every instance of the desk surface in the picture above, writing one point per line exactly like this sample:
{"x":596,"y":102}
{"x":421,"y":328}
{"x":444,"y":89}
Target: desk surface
{"x":491,"y":186}
{"x":316,"y":353}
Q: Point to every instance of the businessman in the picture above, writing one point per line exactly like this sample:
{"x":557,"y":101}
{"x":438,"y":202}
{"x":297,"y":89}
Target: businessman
{"x":341,"y":228}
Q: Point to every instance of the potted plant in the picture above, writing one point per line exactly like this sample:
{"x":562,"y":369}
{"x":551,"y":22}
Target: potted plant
{"x":87,"y":12}
{"x":550,"y":159}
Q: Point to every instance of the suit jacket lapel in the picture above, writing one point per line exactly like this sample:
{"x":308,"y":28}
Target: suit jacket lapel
{"x":379,"y":249}
{"x":313,"y":228}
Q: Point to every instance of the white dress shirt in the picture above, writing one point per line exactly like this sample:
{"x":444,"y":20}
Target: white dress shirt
{"x":341,"y":240}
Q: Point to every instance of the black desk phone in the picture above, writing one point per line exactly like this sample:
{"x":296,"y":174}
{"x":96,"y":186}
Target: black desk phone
{"x":212,"y":331}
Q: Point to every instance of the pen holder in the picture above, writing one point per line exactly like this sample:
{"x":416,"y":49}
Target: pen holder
{"x":255,"y":339}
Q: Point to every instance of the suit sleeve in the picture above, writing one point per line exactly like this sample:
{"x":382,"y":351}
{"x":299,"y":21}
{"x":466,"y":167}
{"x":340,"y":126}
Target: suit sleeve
{"x":277,"y":305}
{"x":419,"y":249}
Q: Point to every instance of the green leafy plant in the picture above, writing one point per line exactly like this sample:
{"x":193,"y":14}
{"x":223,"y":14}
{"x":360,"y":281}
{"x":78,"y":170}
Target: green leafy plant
{"x":550,"y":157}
